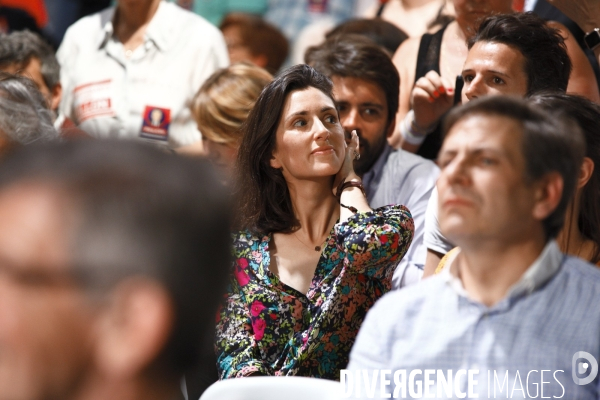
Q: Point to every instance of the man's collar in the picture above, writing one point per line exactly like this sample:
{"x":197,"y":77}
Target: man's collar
{"x":159,"y":26}
{"x":106,"y":22}
{"x":542,"y":270}
{"x":157,"y":30}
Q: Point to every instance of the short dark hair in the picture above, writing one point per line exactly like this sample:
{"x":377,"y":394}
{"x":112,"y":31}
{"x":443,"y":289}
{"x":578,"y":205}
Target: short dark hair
{"x":551,"y":143}
{"x":547,"y":63}
{"x":20,"y":47}
{"x":260,"y":37}
{"x":140,"y":212}
{"x":587,"y":114}
{"x":264,"y":203}
{"x":358,"y":57}
{"x":380,"y":31}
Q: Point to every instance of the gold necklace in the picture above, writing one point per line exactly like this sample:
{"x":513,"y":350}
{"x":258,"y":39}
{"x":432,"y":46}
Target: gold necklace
{"x":316,"y":248}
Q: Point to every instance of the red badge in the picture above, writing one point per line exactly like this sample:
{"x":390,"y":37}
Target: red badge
{"x":317,"y":6}
{"x":156,"y":123}
{"x":93,"y":100}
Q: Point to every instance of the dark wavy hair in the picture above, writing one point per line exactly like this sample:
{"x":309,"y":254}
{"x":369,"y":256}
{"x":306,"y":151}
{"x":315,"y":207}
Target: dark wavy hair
{"x":263,"y":199}
{"x":547,"y":63}
{"x":587,"y":115}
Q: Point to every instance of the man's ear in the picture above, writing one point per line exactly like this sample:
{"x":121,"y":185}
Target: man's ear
{"x":56,"y":94}
{"x":549,"y":192}
{"x":585,"y":173}
{"x":391,"y":128}
{"x":133,"y":328}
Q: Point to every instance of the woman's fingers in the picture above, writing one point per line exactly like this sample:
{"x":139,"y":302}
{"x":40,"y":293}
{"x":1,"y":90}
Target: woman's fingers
{"x":441,"y":85}
{"x":352,"y":146}
{"x":348,"y":164}
{"x":354,"y":141}
{"x":432,"y":87}
{"x":447,"y":87}
{"x":425,"y":89}
{"x":432,"y":96}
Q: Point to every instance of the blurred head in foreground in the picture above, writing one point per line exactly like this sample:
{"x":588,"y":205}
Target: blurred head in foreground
{"x":112,"y":258}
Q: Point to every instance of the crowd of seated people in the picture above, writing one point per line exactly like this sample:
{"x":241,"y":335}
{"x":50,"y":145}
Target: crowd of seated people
{"x":406,"y":200}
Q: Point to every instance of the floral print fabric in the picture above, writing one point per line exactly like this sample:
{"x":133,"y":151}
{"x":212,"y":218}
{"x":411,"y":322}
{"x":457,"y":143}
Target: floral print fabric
{"x":269,"y":328}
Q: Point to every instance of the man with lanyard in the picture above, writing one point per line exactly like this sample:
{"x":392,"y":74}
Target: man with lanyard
{"x":132,"y":70}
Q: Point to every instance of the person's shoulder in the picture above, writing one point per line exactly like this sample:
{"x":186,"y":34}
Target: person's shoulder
{"x":85,"y":27}
{"x":577,"y":280}
{"x":187,"y":20}
{"x":406,"y":158}
{"x":408,"y":301}
{"x":402,"y":162}
{"x":407,"y":53}
{"x":247,"y":239}
{"x":245,"y":235}
{"x":408,"y":47}
{"x":192,"y":35}
{"x":581,"y":271}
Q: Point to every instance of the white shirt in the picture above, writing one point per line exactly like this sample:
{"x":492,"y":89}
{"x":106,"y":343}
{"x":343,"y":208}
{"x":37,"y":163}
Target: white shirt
{"x":146,"y":93}
{"x":529,"y":5}
{"x":434,"y":239}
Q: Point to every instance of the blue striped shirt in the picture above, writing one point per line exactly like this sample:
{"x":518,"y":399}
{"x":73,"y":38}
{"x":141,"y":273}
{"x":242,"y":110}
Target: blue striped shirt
{"x":522,"y":345}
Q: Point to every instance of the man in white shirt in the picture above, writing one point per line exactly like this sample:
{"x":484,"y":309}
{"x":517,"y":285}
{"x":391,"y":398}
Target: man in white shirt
{"x":131,"y":71}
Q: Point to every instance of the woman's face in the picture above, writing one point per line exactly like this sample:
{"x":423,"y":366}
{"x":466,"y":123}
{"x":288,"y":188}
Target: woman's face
{"x":472,"y":12}
{"x":309,"y":140}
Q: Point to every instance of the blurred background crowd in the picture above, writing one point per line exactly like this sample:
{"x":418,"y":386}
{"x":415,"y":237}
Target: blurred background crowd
{"x":344,"y":128}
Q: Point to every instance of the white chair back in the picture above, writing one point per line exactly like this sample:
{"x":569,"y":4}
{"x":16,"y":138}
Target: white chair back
{"x":273,"y":388}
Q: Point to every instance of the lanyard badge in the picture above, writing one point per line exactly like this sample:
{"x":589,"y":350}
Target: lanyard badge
{"x":156,"y":123}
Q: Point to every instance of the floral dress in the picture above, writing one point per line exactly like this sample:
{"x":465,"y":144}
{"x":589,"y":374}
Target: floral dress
{"x":269,"y":328}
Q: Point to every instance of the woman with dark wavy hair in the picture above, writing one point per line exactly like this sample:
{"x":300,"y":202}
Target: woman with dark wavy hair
{"x":310,"y":257}
{"x":580,"y":235}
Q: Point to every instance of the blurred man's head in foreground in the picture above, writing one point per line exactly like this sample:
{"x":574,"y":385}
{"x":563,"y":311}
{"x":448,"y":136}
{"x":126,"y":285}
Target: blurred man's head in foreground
{"x":112,"y":260}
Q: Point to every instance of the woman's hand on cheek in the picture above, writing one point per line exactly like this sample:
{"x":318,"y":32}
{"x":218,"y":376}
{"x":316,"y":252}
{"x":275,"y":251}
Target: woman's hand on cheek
{"x":347,"y":173}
